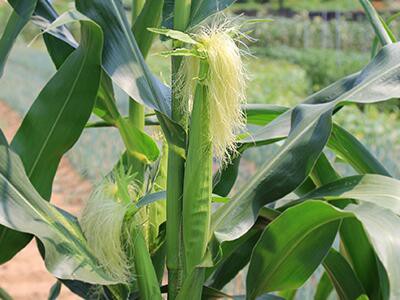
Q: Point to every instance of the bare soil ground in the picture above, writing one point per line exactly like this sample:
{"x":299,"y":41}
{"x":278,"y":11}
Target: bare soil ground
{"x":25,"y":276}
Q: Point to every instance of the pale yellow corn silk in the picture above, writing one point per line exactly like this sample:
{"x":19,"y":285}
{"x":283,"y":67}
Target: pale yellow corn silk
{"x":226,"y":84}
{"x":103,"y":220}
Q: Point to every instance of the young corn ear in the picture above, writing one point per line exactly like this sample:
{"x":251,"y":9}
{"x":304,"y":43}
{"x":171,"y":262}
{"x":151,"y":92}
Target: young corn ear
{"x":226,"y":84}
{"x":103,"y":221}
{"x":213,"y":81}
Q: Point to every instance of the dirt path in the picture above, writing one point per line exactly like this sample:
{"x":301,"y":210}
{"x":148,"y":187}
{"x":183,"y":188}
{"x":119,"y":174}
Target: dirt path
{"x":25,"y":276}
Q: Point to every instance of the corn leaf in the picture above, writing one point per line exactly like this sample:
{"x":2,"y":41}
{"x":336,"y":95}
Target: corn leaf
{"x":201,"y":9}
{"x":55,"y":121}
{"x":280,"y":251}
{"x":381,"y":226}
{"x":292,"y":247}
{"x":4,"y":295}
{"x":122,"y":59}
{"x":55,"y":291}
{"x":324,"y":288}
{"x":236,"y":255}
{"x":22,"y":208}
{"x":3,"y":140}
{"x":23,"y":10}
{"x":174,"y":34}
{"x":380,"y":190}
{"x":348,"y":148}
{"x":262,"y":114}
{"x":310,"y":129}
{"x":150,"y":16}
{"x":343,"y":278}
{"x":363,"y":259}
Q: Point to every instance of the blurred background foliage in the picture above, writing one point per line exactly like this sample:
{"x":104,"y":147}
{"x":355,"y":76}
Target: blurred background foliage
{"x":309,"y":44}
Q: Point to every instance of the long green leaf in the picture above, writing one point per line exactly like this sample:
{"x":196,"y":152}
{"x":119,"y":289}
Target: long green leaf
{"x":22,"y":208}
{"x":360,"y":253}
{"x":345,"y":281}
{"x":55,"y":291}
{"x":3,"y":140}
{"x":262,"y":114}
{"x":381,"y":226}
{"x":379,"y":223}
{"x":55,"y":121}
{"x":376,"y":23}
{"x":348,"y":148}
{"x":202,"y":9}
{"x":4,"y":295}
{"x":324,"y":288}
{"x":122,"y":59}
{"x":380,"y":190}
{"x":236,"y":255}
{"x":292,"y":247}
{"x":150,"y":16}
{"x":60,"y":44}
{"x":20,"y":16}
{"x":310,"y":129}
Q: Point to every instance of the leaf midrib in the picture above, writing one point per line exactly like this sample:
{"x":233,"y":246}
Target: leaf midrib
{"x":362,"y":85}
{"x":49,"y":221}
{"x":132,"y":46}
{"x":275,"y":159}
{"x":292,"y":248}
{"x":52,"y":129}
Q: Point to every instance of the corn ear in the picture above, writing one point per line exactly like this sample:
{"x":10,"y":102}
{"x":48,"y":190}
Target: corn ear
{"x":198,"y":178}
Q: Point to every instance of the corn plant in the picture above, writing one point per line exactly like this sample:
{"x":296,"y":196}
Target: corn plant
{"x":163,"y":207}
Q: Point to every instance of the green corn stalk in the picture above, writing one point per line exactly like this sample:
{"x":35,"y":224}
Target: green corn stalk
{"x":176,"y":167}
{"x":147,"y":280}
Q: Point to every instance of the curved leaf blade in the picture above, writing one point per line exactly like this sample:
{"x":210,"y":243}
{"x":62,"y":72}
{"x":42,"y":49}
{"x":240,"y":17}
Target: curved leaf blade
{"x":23,"y":10}
{"x":292,"y":247}
{"x":278,"y":177}
{"x":347,"y":147}
{"x":122,"y":59}
{"x":55,"y":121}
{"x":380,"y":190}
{"x":381,"y":226}
{"x":22,"y":208}
{"x":324,"y":288}
{"x":201,"y":9}
{"x":343,"y":278}
{"x":310,"y":129}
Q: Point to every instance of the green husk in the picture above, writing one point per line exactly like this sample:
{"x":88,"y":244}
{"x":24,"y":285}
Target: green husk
{"x":198,"y":177}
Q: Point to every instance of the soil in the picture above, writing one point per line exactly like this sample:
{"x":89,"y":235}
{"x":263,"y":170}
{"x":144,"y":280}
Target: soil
{"x":25,"y":276}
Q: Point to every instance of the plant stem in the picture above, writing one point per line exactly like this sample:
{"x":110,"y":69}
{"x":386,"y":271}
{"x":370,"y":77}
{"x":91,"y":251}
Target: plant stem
{"x":182,"y":14}
{"x":136,"y":115}
{"x":176,"y":169}
{"x":136,"y":119}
